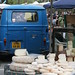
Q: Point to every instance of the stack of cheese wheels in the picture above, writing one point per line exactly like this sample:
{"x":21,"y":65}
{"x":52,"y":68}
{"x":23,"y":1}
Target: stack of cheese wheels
{"x":69,"y":48}
{"x":20,"y":60}
{"x":22,"y":56}
{"x":51,"y":57}
{"x":60,"y":47}
{"x":70,"y":45}
{"x":73,"y":52}
{"x":68,"y":52}
{"x":30,"y":66}
{"x":62,"y":58}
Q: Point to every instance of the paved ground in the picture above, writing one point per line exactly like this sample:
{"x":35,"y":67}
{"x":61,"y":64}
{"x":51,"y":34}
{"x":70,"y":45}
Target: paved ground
{"x":4,"y":60}
{"x":2,"y":67}
{"x":1,"y":71}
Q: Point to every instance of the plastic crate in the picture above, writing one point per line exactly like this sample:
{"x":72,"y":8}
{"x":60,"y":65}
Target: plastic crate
{"x":7,"y":71}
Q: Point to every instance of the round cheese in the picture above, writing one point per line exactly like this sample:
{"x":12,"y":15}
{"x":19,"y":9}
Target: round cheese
{"x":17,"y":66}
{"x":23,"y":59}
{"x":21,"y":52}
{"x":49,"y":74}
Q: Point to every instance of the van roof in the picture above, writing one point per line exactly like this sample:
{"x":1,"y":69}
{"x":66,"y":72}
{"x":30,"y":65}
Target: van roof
{"x":28,"y":6}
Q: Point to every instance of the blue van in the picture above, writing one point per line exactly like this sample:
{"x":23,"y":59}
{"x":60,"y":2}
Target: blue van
{"x":24,"y":26}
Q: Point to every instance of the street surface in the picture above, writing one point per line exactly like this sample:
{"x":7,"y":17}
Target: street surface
{"x":1,"y":71}
{"x":4,"y":60}
{"x":2,"y":67}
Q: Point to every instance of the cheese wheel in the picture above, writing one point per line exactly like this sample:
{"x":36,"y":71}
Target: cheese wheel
{"x":70,"y":43}
{"x":44,"y":71}
{"x":65,"y":73}
{"x":60,"y":47}
{"x":32,"y":67}
{"x":62,"y":60}
{"x":68,"y":52}
{"x":34,"y":63}
{"x":51,"y":55}
{"x":41,"y":61}
{"x":32,"y":73}
{"x":21,"y":52}
{"x":17,"y":67}
{"x":28,"y":70}
{"x":23,"y":59}
{"x":62,"y":56}
{"x":40,"y":65}
{"x":41,"y":57}
{"x":68,"y":70}
{"x":70,"y":47}
{"x":49,"y":74}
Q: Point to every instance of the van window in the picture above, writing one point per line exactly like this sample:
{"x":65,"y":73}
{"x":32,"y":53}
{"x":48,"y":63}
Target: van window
{"x":24,"y":16}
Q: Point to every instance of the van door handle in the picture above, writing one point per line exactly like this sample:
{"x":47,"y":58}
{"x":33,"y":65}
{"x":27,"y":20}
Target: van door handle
{"x":25,"y":28}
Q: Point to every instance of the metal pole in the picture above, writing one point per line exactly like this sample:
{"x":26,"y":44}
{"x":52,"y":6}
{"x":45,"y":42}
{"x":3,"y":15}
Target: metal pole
{"x":50,"y":48}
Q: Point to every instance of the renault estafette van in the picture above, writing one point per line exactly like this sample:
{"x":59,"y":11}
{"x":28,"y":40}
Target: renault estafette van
{"x":24,"y":27}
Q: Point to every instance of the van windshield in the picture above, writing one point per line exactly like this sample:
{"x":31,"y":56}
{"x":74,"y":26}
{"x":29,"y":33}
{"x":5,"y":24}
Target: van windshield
{"x":24,"y":16}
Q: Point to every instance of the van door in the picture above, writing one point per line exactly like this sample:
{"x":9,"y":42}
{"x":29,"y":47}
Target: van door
{"x":16,"y":32}
{"x":33,"y":41}
{"x":34,"y":31}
